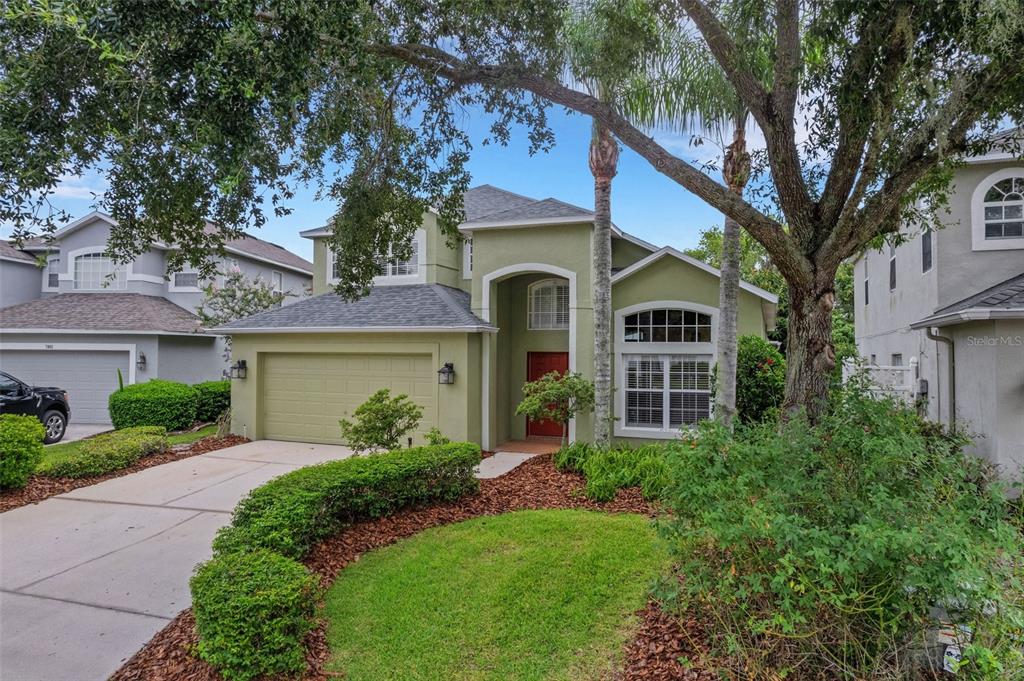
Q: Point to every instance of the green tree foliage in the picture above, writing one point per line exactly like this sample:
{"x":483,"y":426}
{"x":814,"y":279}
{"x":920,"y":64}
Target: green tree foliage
{"x":215,"y":111}
{"x":829,"y":546}
{"x":760,"y":380}
{"x":381,"y":422}
{"x":21,"y":448}
{"x":238,"y":296}
{"x":557,"y":397}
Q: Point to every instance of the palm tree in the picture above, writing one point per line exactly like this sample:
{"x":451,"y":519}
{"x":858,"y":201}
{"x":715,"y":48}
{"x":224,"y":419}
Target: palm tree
{"x":698,"y":97}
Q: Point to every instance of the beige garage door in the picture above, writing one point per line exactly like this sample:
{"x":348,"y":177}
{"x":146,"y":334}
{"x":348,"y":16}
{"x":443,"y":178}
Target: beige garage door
{"x":305,"y":395}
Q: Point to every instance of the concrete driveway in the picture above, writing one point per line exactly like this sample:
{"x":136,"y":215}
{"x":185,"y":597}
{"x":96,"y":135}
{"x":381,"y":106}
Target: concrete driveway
{"x":88,"y":577}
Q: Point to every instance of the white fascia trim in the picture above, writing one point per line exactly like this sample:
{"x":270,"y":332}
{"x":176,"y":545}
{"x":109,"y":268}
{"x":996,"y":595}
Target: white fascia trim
{"x":108,"y":332}
{"x":82,"y":221}
{"x":668,"y":250}
{"x":80,"y":347}
{"x":973,"y":314}
{"x":990,"y":158}
{"x":18,"y":260}
{"x":315,"y":232}
{"x":527,"y":268}
{"x":357,"y":329}
{"x":626,"y":236}
{"x":532,"y":222}
{"x":978,"y":240}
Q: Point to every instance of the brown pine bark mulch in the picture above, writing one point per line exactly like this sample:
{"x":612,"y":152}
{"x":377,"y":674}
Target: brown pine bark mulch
{"x":536,"y":484}
{"x":40,"y":487}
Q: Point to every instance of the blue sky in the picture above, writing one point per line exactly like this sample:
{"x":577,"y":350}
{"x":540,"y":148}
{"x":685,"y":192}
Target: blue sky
{"x":644,"y":202}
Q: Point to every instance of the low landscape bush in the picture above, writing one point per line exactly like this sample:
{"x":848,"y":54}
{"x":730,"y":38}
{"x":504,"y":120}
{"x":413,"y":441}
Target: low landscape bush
{"x":21,"y":448}
{"x":154,"y":403}
{"x":253,"y":601}
{"x":253,"y":611}
{"x":827,"y":549}
{"x":212,"y":399}
{"x":610,"y":469}
{"x":760,"y":379}
{"x":106,"y":453}
{"x":290,"y":513}
{"x":381,"y":422}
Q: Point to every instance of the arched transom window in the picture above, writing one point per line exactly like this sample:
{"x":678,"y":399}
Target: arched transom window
{"x":667,"y":326}
{"x":1004,"y":209}
{"x":548,"y":305}
{"x":97,"y":271}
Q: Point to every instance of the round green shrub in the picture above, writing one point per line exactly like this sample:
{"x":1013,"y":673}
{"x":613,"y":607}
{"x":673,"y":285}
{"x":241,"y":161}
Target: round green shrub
{"x":212,"y":399}
{"x":760,"y":379}
{"x":21,"y":448}
{"x":155,"y":403}
{"x":252,"y":612}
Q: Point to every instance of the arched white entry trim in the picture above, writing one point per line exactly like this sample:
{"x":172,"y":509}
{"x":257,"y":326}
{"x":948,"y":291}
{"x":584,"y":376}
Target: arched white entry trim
{"x":485,"y":312}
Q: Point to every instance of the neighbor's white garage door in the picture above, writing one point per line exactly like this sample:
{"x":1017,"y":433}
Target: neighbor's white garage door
{"x":304,"y":395}
{"x":89,"y":376}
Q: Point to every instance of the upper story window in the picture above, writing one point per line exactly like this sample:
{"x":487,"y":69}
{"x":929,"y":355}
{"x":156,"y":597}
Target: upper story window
{"x":97,"y":272}
{"x":997,"y":211}
{"x":467,"y":259}
{"x":277,"y":281}
{"x":892,"y":268}
{"x":51,"y":277}
{"x":1004,"y":209}
{"x":926,"y":250}
{"x":548,"y":305}
{"x":390,"y":267}
{"x":667,"y":326}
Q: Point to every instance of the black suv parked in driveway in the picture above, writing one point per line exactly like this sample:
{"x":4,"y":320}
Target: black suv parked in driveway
{"x":49,"y":405}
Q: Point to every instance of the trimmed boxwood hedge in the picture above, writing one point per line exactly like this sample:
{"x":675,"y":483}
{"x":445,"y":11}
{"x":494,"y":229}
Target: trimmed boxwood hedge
{"x":154,"y":403}
{"x":250,"y":599}
{"x":212,"y":399}
{"x":107,"y":453}
{"x":21,"y":448}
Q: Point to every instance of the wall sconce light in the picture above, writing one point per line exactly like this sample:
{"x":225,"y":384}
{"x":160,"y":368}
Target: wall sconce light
{"x":140,"y":361}
{"x":446,"y":374}
{"x":238,"y":369}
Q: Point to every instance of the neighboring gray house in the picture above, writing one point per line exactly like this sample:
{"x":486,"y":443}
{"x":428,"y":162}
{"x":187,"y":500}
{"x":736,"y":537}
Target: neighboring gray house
{"x":954,"y":300}
{"x":78,"y":319}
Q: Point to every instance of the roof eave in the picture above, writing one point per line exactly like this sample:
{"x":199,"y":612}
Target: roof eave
{"x":122,"y":332}
{"x":356,"y":329}
{"x":973,"y":314}
{"x":534,"y":222}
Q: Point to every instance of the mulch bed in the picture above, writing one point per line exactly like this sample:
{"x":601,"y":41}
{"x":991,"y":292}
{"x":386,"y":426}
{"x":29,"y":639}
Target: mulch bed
{"x":40,"y":487}
{"x":536,"y":484}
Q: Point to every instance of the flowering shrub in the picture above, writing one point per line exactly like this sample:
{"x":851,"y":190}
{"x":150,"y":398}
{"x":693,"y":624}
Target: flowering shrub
{"x":760,"y":379}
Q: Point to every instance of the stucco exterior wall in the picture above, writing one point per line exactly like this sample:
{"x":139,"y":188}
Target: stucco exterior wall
{"x":190,"y":359}
{"x":458,"y":404}
{"x":19,"y":282}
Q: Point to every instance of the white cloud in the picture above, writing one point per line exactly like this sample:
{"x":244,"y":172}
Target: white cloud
{"x":79,"y":186}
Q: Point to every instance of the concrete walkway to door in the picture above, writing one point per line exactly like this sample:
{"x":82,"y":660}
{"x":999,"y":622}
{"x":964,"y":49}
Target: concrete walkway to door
{"x":88,"y":577}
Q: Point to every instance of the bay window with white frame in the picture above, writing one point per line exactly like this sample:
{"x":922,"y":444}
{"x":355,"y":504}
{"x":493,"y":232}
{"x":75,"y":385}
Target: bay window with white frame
{"x":665,"y":357}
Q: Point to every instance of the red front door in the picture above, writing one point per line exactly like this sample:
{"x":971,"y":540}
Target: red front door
{"x":538,"y":364}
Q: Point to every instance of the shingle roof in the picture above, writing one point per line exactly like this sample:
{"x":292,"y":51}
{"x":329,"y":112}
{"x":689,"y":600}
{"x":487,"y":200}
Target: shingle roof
{"x":544,"y":209}
{"x":259,"y":248}
{"x":487,"y":199}
{"x":388,"y":307}
{"x":11,"y":253}
{"x":1006,"y":295}
{"x":100,"y":312}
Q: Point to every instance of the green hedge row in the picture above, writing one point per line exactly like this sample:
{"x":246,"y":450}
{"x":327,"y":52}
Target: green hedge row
{"x":253,"y":602}
{"x":175,"y":406}
{"x":21,"y":448}
{"x":107,"y":453}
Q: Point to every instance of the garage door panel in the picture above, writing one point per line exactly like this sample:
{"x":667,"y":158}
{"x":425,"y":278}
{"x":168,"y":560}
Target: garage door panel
{"x":304,"y":396}
{"x":89,"y":376}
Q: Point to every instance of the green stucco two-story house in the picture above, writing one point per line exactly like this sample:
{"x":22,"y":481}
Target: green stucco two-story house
{"x":510,"y":303}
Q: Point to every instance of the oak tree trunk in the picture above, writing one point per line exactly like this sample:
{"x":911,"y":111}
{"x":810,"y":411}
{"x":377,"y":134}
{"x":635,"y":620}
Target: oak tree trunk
{"x":810,"y":356}
{"x":735,"y":171}
{"x":604,"y":160}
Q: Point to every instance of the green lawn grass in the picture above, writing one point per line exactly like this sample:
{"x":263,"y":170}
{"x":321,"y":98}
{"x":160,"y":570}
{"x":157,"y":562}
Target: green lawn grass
{"x":526,"y":595}
{"x":62,"y":449}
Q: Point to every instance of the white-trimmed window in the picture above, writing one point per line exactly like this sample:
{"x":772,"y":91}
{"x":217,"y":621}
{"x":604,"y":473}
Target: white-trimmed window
{"x":51,"y":277}
{"x":666,"y":392}
{"x":467,"y":259}
{"x":97,"y":272}
{"x":926,"y":250}
{"x":184,"y":281}
{"x":997,"y":211}
{"x":667,"y":326}
{"x":277,"y":281}
{"x":892,"y":268}
{"x":389,"y":266}
{"x":548,"y":305}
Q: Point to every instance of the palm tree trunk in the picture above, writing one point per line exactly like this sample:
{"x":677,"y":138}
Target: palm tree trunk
{"x":735,"y":171}
{"x":604,"y":160}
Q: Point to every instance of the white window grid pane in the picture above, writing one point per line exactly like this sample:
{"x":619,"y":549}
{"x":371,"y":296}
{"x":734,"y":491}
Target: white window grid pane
{"x":95,"y":271}
{"x":668,"y":325}
{"x":1004,"y":209}
{"x":549,"y":306}
{"x":390,"y":267}
{"x":666,"y":391}
{"x":52,"y":272}
{"x":186,"y":279}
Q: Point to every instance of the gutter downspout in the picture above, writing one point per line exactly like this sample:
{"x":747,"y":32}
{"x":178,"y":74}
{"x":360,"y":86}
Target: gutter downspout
{"x":931,"y":333}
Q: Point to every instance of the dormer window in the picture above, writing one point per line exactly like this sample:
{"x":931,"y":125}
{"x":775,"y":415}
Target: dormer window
{"x":997,"y":211}
{"x":98,"y":272}
{"x":548,"y":305}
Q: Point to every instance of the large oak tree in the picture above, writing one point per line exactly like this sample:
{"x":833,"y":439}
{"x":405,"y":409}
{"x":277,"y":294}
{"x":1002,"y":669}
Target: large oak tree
{"x":215,"y":109}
